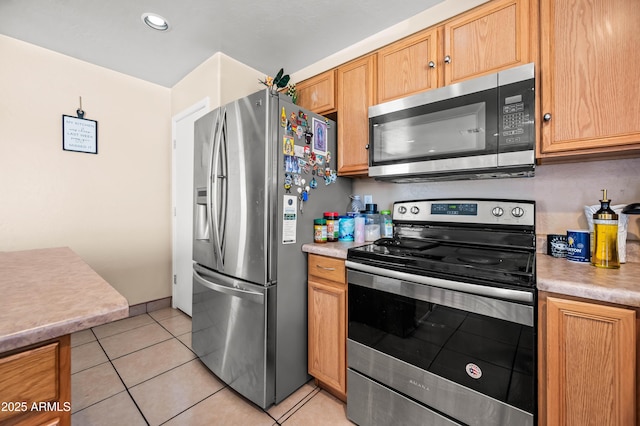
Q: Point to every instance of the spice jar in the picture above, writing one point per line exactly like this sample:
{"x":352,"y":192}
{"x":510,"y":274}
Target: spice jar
{"x":319,"y":231}
{"x":332,"y":225}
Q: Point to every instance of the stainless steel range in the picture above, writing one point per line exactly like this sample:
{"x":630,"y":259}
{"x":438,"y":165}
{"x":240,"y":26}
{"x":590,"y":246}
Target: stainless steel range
{"x":442,"y":317}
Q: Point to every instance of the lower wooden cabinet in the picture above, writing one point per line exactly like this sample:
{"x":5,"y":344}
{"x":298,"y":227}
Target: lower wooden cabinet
{"x":327,"y":310}
{"x":588,"y":358}
{"x":35,"y":384}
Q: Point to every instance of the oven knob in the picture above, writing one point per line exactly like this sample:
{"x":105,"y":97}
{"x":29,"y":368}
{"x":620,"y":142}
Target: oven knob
{"x":415,"y":210}
{"x":402,"y":209}
{"x":497,"y":211}
{"x":517,"y":212}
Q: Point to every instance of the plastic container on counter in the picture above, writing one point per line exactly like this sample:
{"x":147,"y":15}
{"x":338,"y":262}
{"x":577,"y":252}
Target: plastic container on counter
{"x":333,"y":232}
{"x":319,"y":231}
{"x":386,"y":224}
{"x":371,"y":223}
{"x":355,"y":206}
{"x":346,"y":228}
{"x":359,"y":231}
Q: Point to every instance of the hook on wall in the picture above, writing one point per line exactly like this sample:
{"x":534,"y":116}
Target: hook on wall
{"x":79,"y":111}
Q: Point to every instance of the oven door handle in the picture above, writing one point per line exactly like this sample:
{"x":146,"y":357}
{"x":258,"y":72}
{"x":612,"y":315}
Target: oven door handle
{"x":502,"y":293}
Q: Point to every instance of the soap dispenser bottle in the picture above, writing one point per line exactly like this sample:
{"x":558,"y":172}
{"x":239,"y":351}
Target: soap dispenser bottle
{"x":605,"y":230}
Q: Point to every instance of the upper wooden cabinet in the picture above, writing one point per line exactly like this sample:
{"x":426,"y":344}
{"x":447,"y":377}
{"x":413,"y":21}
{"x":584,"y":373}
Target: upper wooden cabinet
{"x":590,"y":62}
{"x":587,"y":363}
{"x":487,"y":39}
{"x":318,"y":93}
{"x":356,"y":93}
{"x":408,"y":66}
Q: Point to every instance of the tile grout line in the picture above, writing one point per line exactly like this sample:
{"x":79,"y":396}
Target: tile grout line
{"x":126,"y":389}
{"x":292,"y":410}
{"x":123,"y":383}
{"x":110,"y":361}
{"x":315,"y":391}
{"x":139,"y":349}
{"x":136,"y":327}
{"x":173,"y":368}
{"x":277,"y":422}
{"x":192,"y":351}
{"x":124,"y":331}
{"x":190,"y":407}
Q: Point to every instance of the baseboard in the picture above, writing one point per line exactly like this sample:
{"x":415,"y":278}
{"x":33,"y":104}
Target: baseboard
{"x":154,"y":305}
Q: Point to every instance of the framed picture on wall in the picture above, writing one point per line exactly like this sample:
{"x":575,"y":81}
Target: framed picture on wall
{"x":79,"y":134}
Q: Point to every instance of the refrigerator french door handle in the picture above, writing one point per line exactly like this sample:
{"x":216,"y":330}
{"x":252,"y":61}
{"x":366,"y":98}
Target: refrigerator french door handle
{"x":215,"y":196}
{"x":209,"y":181}
{"x":252,"y":296}
{"x":222,"y":175}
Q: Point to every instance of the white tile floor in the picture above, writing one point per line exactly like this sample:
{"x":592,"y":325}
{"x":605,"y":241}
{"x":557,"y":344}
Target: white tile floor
{"x":141,"y":371}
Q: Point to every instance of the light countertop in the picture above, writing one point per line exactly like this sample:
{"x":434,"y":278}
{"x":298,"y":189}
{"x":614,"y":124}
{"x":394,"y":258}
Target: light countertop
{"x":337,"y":249}
{"x":555,"y":275}
{"x":47,"y":293}
{"x":558,"y":275}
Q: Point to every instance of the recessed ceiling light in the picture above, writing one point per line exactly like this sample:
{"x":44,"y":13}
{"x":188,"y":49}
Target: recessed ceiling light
{"x":155,"y":21}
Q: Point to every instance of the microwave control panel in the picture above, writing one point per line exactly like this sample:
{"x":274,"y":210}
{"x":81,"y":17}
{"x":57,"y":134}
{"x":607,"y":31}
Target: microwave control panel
{"x":516,"y":112}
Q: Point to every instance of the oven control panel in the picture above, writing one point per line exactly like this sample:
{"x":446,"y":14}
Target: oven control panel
{"x":485,"y":211}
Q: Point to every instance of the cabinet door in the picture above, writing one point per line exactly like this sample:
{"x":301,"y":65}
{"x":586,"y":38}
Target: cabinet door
{"x":486,"y":40}
{"x":318,"y":93}
{"x":37,"y":374}
{"x":356,"y":93}
{"x":590,"y":68}
{"x":327,"y":334}
{"x":408,"y":66}
{"x":590,"y":363}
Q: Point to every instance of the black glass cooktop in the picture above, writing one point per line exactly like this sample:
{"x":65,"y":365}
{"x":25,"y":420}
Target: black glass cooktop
{"x":485,"y":265}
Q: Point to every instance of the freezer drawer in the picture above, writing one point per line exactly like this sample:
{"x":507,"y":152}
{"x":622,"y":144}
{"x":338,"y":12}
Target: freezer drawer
{"x":232,"y":331}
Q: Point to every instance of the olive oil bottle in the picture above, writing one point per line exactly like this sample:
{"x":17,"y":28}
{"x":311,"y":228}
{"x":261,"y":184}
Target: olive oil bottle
{"x":605,"y":230}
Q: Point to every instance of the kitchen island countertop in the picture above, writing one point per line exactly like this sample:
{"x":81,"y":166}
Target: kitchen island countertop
{"x":554,"y":275}
{"x":48,"y":293}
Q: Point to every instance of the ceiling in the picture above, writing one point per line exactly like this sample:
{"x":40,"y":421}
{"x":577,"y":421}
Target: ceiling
{"x":264,"y":35}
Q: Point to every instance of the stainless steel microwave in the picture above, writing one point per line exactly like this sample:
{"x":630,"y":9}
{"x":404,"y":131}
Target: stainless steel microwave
{"x":479,"y":128}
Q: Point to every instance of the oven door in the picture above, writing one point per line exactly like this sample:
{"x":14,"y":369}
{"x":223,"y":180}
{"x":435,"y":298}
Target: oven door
{"x":451,"y":128}
{"x":465,"y":356}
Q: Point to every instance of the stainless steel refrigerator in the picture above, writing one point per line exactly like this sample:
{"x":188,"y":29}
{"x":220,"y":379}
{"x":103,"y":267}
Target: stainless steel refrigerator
{"x":257,"y":160}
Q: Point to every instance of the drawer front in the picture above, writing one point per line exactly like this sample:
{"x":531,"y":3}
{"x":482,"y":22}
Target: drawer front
{"x":327,"y":268}
{"x":29,"y":376}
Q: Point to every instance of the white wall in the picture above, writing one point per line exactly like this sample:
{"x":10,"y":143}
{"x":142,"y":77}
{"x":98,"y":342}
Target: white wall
{"x":221,"y":78}
{"x":113,"y":209}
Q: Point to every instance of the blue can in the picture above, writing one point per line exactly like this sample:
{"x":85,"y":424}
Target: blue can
{"x":578,"y":247}
{"x":346,"y":228}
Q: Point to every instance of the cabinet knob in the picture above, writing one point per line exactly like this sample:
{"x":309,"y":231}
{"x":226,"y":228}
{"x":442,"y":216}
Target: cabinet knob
{"x":447,"y":59}
{"x":432,"y":64}
{"x":366,"y":146}
{"x":546,"y":117}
